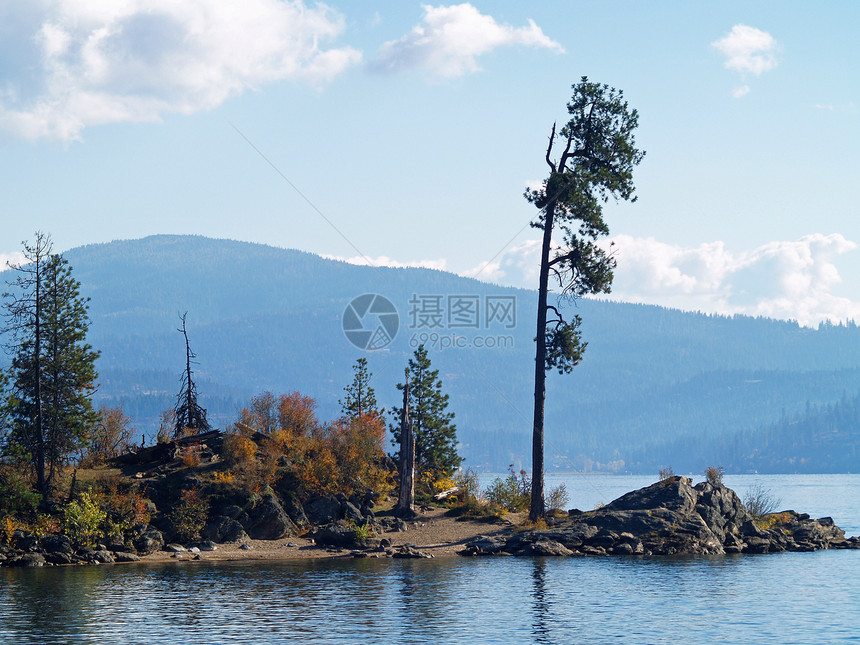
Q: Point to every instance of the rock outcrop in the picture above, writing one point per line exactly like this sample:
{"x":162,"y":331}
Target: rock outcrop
{"x":667,"y":518}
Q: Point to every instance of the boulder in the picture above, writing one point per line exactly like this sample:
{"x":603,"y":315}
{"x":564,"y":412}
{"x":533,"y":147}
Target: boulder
{"x":295,"y":510}
{"x":268,"y":521}
{"x":28,"y":561}
{"x":323,"y":510}
{"x":223,"y":529}
{"x":338,"y":534}
{"x":150,"y":541}
{"x":57,"y":544}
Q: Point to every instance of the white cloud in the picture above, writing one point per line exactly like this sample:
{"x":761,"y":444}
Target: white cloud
{"x":848,"y":108}
{"x":782,"y":279}
{"x":11,"y":258}
{"x":78,"y":64}
{"x":749,"y":51}
{"x":385,"y":261}
{"x":450,"y":39}
{"x":517,"y":266}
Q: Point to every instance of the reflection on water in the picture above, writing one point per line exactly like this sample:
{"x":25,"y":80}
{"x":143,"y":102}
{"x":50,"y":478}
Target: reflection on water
{"x":780,"y":598}
{"x":800,"y":598}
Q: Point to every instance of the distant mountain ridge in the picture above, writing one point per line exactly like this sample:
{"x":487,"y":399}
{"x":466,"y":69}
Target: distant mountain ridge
{"x":261,"y":317}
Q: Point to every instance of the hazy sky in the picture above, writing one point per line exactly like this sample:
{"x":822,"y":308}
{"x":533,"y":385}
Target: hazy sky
{"x":411,"y":131}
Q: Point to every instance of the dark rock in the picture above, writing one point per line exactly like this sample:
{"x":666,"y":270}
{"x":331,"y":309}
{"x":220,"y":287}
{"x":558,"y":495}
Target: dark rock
{"x":351,"y":512}
{"x":268,"y":521}
{"x":295,"y":511}
{"x":223,"y":529}
{"x":57,"y":544}
{"x":721,"y":509}
{"x":59,"y":557}
{"x":150,"y":541}
{"x":409,"y":551}
{"x":481,"y":545}
{"x":340,"y":534}
{"x":28,"y":561}
{"x":230,"y":510}
{"x":674,"y":494}
{"x":323,"y":510}
{"x":547,"y":547}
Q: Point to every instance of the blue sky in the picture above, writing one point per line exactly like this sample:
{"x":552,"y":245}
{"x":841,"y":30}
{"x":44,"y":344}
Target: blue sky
{"x":414,"y":129}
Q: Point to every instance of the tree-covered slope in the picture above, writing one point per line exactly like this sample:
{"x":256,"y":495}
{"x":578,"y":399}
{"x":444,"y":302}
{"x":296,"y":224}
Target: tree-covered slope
{"x":266,"y":318}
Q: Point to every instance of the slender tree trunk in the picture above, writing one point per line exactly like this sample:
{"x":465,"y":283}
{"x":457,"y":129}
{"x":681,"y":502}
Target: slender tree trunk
{"x":41,"y":482}
{"x":537,"y":503}
{"x":406,"y":498}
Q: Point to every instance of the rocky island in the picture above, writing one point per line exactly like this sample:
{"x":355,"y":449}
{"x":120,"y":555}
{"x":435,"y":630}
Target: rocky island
{"x":670,"y":517}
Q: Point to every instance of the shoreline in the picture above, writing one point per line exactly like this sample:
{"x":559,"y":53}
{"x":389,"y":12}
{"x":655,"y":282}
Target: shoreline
{"x":431,"y":533}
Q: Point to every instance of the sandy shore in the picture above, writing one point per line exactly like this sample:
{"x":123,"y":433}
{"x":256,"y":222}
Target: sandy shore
{"x":430,"y":532}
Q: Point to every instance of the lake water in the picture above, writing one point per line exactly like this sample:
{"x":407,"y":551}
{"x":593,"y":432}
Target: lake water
{"x":777,"y":598}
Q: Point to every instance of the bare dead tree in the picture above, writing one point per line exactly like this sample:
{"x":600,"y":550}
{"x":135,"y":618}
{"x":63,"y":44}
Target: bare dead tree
{"x":188,"y":413}
{"x":406,"y":497}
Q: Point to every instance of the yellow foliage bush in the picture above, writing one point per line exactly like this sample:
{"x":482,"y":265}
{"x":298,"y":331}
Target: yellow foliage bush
{"x":224,"y":477}
{"x":239,"y":450}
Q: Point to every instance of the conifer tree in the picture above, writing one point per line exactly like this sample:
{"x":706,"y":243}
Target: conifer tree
{"x":595,"y":165}
{"x":53,"y":368}
{"x":359,"y":399}
{"x":435,"y":432}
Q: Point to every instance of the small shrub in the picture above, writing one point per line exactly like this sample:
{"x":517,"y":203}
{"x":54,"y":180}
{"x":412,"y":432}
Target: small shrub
{"x":8,"y":526}
{"x":469,"y":484}
{"x":16,"y":498}
{"x":190,"y":456}
{"x":82,"y":520}
{"x":511,"y":493}
{"x":714,"y":474}
{"x":528,"y":525}
{"x":475,"y":511}
{"x":760,"y":501}
{"x":224,"y":477}
{"x":557,"y":498}
{"x":666,"y":473}
{"x":189,"y":515}
{"x":239,"y":450}
{"x":362,"y":533}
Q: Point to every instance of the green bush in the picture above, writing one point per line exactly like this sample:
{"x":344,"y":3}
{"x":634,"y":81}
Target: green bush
{"x":511,"y":493}
{"x":189,"y":515}
{"x":16,"y":498}
{"x":83,"y":520}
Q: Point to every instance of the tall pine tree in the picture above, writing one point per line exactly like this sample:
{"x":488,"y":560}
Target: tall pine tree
{"x":435,"y":432}
{"x":53,"y":368}
{"x":359,"y":398}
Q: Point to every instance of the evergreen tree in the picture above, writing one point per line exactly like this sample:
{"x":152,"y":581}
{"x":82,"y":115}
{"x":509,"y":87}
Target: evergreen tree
{"x":359,"y":399}
{"x":69,"y":365}
{"x":53,"y":368}
{"x":435,"y":432}
{"x":596,"y":164}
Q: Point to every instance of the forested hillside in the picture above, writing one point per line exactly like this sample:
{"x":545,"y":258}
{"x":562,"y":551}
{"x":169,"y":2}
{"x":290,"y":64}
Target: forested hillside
{"x":657,"y":386}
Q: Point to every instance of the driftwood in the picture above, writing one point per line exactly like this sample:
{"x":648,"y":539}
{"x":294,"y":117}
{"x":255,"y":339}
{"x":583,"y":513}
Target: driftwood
{"x":167,"y":451}
{"x":445,"y":494}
